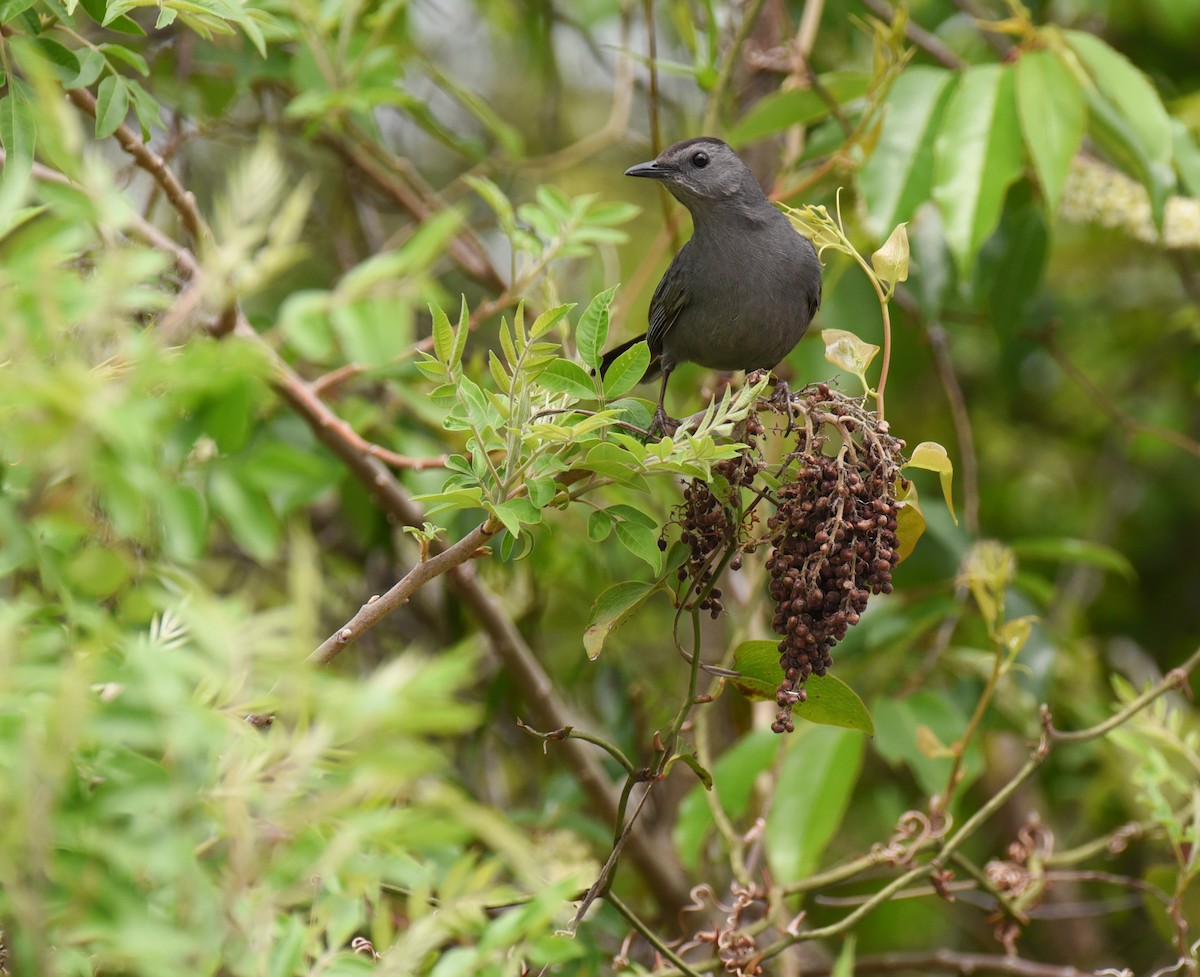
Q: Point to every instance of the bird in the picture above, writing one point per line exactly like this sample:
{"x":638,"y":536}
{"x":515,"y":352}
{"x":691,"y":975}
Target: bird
{"x":742,"y":291}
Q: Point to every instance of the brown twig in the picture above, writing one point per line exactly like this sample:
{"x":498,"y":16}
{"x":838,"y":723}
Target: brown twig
{"x":377,"y":608}
{"x":181,"y":199}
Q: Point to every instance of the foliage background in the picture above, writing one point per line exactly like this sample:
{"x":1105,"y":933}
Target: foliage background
{"x":221,"y":229}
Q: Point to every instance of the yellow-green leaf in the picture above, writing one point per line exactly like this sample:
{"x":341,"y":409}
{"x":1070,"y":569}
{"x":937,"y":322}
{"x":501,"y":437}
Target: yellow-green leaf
{"x":932,"y":457}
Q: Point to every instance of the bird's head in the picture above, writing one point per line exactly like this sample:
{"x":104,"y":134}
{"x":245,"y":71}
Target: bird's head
{"x":701,"y":173}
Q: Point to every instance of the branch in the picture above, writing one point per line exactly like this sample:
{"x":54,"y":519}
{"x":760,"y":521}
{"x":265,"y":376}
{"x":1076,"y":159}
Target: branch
{"x":955,"y":963}
{"x":181,"y":199}
{"x":377,"y":608}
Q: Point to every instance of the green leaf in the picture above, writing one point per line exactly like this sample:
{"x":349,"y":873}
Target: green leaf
{"x":847,"y":352}
{"x":98,"y":571}
{"x":798,"y":106}
{"x":977,"y":156}
{"x":565,"y":377}
{"x":64,"y":60}
{"x":184,"y":522}
{"x":611,"y":608}
{"x":1064,"y":549}
{"x":642,"y":542}
{"x":816,"y":778}
{"x":496,"y":199}
{"x":90,"y":67}
{"x":599,"y":525}
{"x":910,"y":522}
{"x":18,"y":132}
{"x":898,"y":176}
{"x":932,"y":457}
{"x":626,"y":371}
{"x":830,"y":702}
{"x":112,"y":105}
{"x":1187,"y":157}
{"x":548,"y":320}
{"x":891,"y":260}
{"x":1053,"y":113}
{"x":592,"y":331}
{"x":844,"y":965}
{"x":98,"y":11}
{"x":908,"y":730}
{"x":1129,"y":90}
{"x":443,"y":335}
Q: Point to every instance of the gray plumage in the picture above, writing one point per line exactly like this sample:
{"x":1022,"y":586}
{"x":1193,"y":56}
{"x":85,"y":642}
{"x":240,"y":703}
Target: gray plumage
{"x":740,"y":293}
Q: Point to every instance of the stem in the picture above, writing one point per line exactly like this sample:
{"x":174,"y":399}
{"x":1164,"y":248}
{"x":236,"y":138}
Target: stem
{"x":650,"y":936}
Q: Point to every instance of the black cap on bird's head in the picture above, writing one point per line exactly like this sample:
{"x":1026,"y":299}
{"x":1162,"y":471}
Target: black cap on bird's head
{"x":701,"y":171}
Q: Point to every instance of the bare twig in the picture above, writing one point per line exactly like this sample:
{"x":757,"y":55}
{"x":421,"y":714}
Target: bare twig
{"x":377,"y":608}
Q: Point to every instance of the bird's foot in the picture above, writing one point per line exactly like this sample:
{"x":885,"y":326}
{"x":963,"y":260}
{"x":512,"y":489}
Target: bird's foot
{"x":781,"y":400}
{"x":663,"y":423}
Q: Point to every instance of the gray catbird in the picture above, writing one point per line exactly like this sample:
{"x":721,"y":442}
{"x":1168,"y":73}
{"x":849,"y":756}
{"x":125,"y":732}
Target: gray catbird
{"x":740,"y":293}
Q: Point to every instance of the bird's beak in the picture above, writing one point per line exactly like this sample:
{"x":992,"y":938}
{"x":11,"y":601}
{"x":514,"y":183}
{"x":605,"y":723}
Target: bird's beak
{"x":651,"y":169}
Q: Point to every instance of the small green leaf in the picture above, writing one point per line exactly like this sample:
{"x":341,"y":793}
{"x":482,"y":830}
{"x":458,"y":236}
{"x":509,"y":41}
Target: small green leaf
{"x":564,"y":377}
{"x":910,"y":522}
{"x":599,"y":525}
{"x":541,"y":490}
{"x":931,"y":456}
{"x":847,"y":352}
{"x":548,"y":320}
{"x":611,"y":608}
{"x":592,"y":332}
{"x":626,"y":371}
{"x":844,"y":965}
{"x":463,"y":329}
{"x":112,"y":105}
{"x":891,"y":260}
{"x":499,"y":375}
{"x":443,"y":335}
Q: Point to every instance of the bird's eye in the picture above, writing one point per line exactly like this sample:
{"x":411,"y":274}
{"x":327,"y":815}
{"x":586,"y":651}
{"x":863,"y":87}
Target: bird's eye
{"x":700,"y":160}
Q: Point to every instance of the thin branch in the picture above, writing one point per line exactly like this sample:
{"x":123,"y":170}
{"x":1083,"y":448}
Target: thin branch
{"x":377,"y":608}
{"x":1128,"y":423}
{"x":953,"y":962}
{"x":918,"y":35}
{"x":181,"y":199}
{"x":650,"y":936}
{"x":1176,"y":678}
{"x":967,"y":462}
{"x":568,"y":732}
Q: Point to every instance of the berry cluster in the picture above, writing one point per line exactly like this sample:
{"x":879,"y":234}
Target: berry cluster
{"x":833,"y":536}
{"x":709,"y":523}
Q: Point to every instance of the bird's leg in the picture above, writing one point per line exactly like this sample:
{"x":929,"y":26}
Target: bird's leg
{"x":662,"y":421}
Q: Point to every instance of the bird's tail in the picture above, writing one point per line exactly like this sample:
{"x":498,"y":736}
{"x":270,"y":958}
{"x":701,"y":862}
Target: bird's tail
{"x":653,"y":370}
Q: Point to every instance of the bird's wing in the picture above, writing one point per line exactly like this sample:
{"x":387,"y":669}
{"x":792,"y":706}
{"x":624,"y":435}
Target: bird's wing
{"x":670,"y":298}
